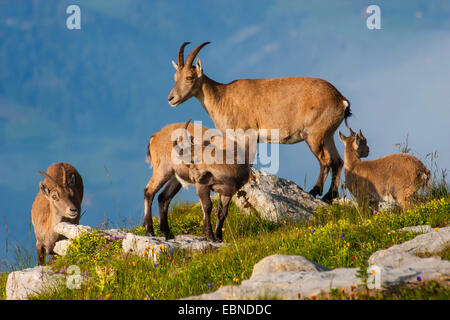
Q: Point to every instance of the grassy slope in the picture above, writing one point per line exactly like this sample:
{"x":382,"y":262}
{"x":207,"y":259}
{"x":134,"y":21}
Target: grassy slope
{"x":339,"y":236}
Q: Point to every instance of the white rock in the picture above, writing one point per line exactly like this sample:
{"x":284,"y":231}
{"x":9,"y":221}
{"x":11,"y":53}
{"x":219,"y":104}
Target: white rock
{"x":285,"y":263}
{"x":153,"y":247}
{"x":290,"y":285}
{"x":21,"y":284}
{"x":418,"y":229}
{"x":431,"y":242}
{"x":276,"y":199}
{"x":70,"y":230}
{"x":114,"y":234}
{"x":285,"y":277}
{"x":61,"y":247}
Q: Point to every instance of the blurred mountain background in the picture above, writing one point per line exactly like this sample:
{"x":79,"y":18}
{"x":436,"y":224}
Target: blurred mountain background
{"x":93,"y":97}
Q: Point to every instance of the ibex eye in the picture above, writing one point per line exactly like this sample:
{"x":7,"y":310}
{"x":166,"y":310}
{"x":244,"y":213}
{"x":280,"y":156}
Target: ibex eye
{"x":55,"y":197}
{"x":189,"y":78}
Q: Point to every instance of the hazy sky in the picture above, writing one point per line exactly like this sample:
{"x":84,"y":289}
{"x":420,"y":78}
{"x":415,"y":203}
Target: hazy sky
{"x":93,"y":97}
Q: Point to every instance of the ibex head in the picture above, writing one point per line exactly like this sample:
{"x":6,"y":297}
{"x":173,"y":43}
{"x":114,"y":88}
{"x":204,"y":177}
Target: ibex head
{"x":187,"y":77}
{"x":357,"y":141}
{"x":60,"y":195}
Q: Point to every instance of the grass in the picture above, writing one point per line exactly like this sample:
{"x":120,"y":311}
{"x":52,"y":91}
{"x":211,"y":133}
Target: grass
{"x":338,"y":236}
{"x":430,"y":290}
{"x":3,"y":279}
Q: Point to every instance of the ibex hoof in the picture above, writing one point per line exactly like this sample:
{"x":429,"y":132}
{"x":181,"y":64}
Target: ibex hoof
{"x":169,"y":236}
{"x":330,"y":196}
{"x":315,"y":191}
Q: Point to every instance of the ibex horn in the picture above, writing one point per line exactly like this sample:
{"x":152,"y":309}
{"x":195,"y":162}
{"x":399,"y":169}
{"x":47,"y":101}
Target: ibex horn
{"x":181,"y":55}
{"x":190,"y":58}
{"x":64,"y":175}
{"x":351,"y":131}
{"x":50,"y":178}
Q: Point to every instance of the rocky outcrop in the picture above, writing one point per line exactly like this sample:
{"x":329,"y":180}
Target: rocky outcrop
{"x":418,"y":229}
{"x":71,"y":231}
{"x":154,"y":247}
{"x":276,"y":199}
{"x":151,"y":247}
{"x":23,"y":283}
{"x":285,"y":263}
{"x":276,"y":276}
{"x":403,"y":263}
{"x":287,"y":277}
{"x":295,"y":277}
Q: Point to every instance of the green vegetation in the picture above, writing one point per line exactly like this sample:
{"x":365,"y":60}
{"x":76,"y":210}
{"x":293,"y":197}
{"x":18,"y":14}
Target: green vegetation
{"x":338,"y":236}
{"x":3,"y":279}
{"x":430,"y":290}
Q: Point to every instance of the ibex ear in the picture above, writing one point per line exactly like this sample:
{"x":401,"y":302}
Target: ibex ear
{"x":198,"y":67}
{"x":357,"y":139}
{"x":175,"y":65}
{"x":44,"y":190}
{"x":71,"y":183}
{"x":341,"y":136}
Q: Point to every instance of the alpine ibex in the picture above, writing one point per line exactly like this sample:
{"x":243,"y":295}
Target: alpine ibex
{"x":205,"y":173}
{"x":302,"y":109}
{"x":59,"y":199}
{"x":394,"y":177}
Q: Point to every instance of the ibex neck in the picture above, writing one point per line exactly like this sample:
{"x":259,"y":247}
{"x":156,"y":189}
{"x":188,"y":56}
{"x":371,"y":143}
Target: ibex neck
{"x":210,"y":96}
{"x":350,"y":159}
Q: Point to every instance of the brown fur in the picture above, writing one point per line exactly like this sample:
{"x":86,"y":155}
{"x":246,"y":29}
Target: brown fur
{"x":224,"y":179}
{"x":395,"y":176}
{"x":303,"y":109}
{"x":46,"y":212}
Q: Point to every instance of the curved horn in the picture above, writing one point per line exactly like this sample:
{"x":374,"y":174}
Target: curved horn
{"x":186,"y":136}
{"x":181,"y":55}
{"x":50,"y":178}
{"x":351,"y":131}
{"x":190,"y":58}
{"x":64,"y":175}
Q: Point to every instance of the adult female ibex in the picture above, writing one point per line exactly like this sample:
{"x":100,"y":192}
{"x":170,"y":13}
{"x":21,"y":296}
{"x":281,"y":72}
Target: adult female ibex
{"x":59,"y":199}
{"x":394,"y":177}
{"x":302,"y":109}
{"x":210,"y":172}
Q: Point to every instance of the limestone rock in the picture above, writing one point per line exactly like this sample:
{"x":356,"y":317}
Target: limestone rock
{"x":288,"y":285}
{"x":294,"y":277}
{"x":153,"y":247}
{"x":431,"y":242}
{"x":418,"y":229}
{"x":21,"y":284}
{"x":61,"y":247}
{"x":276,"y":199}
{"x":285,"y":263}
{"x":70,"y":230}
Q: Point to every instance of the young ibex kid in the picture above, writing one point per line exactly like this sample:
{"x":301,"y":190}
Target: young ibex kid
{"x":59,"y":199}
{"x":394,"y":177}
{"x":206,"y":175}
